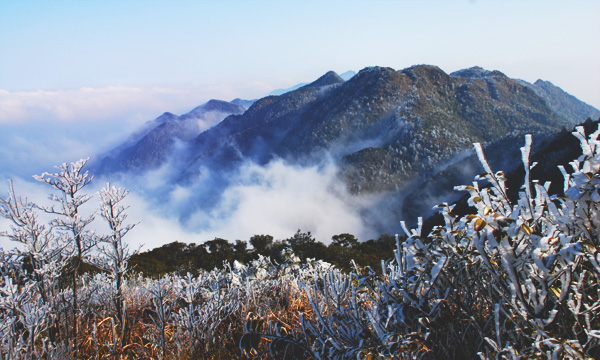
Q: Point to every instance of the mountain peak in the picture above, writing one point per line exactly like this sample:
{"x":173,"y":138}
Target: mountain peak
{"x":330,"y":78}
{"x":348,"y":75}
{"x":425,"y":67}
{"x":425,"y":71}
{"x":477,"y":72}
{"x":373,"y":70}
{"x":541,"y":82}
{"x":372,"y":74}
{"x":167,"y":116}
{"x":214,"y":105}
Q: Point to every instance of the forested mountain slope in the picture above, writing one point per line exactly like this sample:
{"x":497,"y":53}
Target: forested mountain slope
{"x":386,"y":131}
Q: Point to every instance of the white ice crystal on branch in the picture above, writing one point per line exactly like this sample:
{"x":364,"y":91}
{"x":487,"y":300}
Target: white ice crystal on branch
{"x":69,"y":181}
{"x":114,"y":253}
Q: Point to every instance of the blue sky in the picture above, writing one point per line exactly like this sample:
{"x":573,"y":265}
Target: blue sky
{"x":57,"y":45}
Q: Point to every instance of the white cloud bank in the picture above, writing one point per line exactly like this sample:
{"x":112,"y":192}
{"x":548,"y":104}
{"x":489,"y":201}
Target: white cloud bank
{"x":279,"y":199}
{"x":131,"y":105}
{"x":276,"y":199}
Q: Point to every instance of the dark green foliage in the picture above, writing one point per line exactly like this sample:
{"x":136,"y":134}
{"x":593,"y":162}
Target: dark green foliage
{"x":364,"y":254}
{"x":261,"y":242}
{"x":304,"y":245}
{"x":342,"y":252}
{"x":173,"y":257}
{"x":345,"y":240}
{"x":241,"y":251}
{"x":221,"y":251}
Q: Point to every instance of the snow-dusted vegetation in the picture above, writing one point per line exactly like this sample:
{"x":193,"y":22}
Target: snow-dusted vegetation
{"x":511,"y":280}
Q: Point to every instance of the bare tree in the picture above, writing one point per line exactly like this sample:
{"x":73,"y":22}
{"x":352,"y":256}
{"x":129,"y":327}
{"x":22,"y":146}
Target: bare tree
{"x":115,"y":252}
{"x":41,"y":247}
{"x":69,"y":180}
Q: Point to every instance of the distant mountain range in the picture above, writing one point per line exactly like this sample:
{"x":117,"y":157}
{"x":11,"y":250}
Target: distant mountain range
{"x":389,"y":132}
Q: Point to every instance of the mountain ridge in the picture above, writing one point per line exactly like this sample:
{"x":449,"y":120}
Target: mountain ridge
{"x":386,"y":130}
{"x":151,"y":147}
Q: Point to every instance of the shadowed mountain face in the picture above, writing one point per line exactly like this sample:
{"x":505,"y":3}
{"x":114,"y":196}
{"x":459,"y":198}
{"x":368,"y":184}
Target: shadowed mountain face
{"x":152,"y":146}
{"x":567,"y":106}
{"x":386,"y":130}
{"x":386,"y":127}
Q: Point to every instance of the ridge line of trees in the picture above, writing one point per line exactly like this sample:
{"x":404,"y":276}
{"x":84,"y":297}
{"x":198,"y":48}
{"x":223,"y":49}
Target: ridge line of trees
{"x":181,"y":258}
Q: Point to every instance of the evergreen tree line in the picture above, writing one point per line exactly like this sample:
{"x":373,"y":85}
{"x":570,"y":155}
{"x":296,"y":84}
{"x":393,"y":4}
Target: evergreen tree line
{"x":345,"y":251}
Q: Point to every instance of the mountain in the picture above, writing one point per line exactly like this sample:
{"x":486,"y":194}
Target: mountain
{"x":568,"y":106}
{"x":345,"y":76}
{"x":388,"y":132}
{"x":348,"y":75}
{"x":387,"y":127}
{"x":257,"y":133}
{"x":151,"y":147}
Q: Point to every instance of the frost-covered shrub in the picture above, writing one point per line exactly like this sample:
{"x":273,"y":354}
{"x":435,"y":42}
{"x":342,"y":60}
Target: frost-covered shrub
{"x":23,"y":318}
{"x":163,"y":297}
{"x":529,"y":270}
{"x":513,"y":280}
{"x":57,"y":300}
{"x":207,"y":302}
{"x":29,"y":290}
{"x":70,"y":225}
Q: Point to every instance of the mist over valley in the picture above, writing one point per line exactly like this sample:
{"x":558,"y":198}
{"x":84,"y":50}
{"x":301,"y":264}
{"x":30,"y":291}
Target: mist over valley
{"x":354,"y":155}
